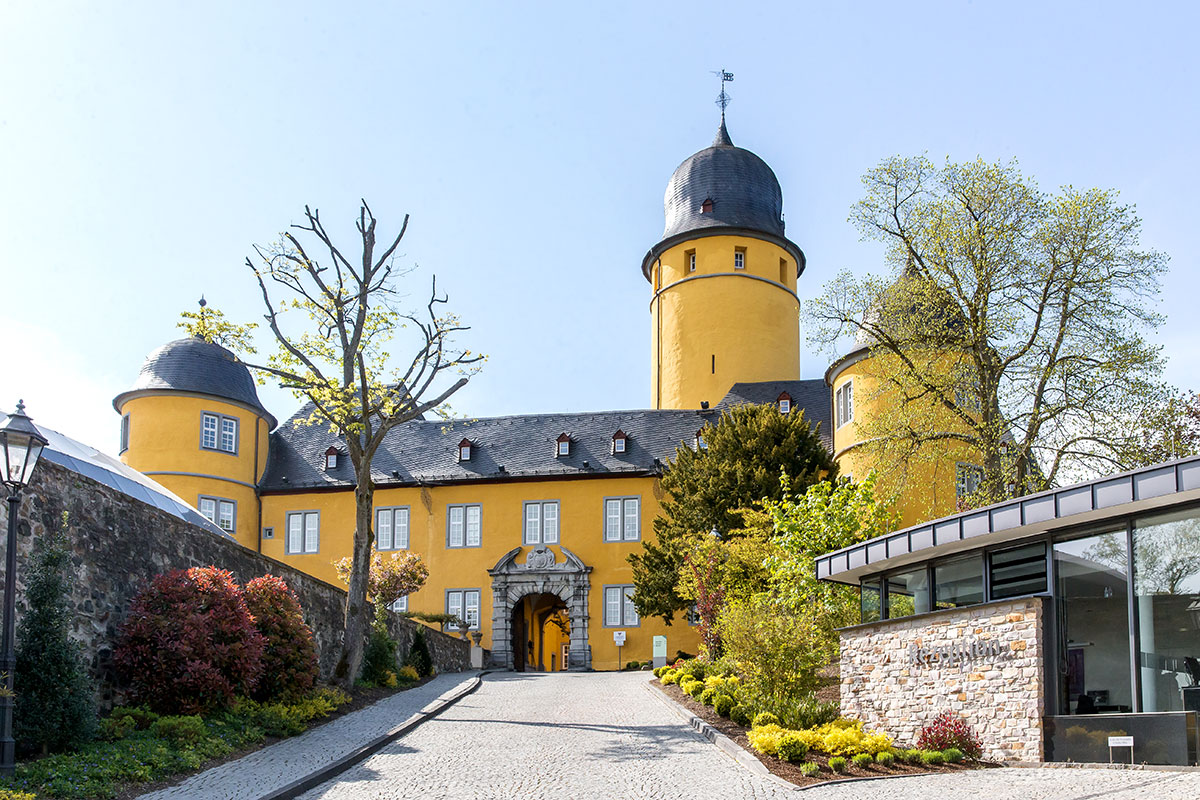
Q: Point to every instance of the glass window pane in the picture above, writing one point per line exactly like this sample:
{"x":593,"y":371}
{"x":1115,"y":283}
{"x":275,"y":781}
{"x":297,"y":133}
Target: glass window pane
{"x":1019,"y":571}
{"x":208,"y":507}
{"x":612,"y":605}
{"x":209,"y":431}
{"x":532,"y":523}
{"x":456,"y":526}
{"x":612,"y":520}
{"x":908,"y":594}
{"x":225,"y":518}
{"x":471,"y":600}
{"x":311,"y":531}
{"x":383,"y":529}
{"x":473,"y":526}
{"x":550,"y":523}
{"x":1093,"y":611}
{"x":631,"y":617}
{"x":1166,"y":583}
{"x":631,"y":519}
{"x":228,"y":434}
{"x":295,"y":539}
{"x":400,"y":527}
{"x":454,"y":604}
{"x":871,"y":608}
{"x":958,"y":583}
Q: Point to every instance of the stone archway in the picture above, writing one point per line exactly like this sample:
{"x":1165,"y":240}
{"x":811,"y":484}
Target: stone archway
{"x":540,"y":573}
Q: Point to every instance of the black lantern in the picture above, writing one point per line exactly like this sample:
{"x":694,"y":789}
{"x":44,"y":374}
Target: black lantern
{"x":22,"y":443}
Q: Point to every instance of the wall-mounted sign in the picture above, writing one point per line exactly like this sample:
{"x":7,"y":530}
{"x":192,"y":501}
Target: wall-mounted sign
{"x":619,"y":638}
{"x":956,"y":654}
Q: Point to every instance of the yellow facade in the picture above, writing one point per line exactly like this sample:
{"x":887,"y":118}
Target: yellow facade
{"x":581,"y":530}
{"x":164,"y":442}
{"x":720,"y":323}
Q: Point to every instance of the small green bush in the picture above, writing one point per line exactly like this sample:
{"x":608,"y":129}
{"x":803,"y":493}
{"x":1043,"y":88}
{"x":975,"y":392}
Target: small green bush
{"x":932,"y":758}
{"x":379,"y":657}
{"x":810,"y":769}
{"x":179,"y":730}
{"x":912,"y":756}
{"x":952,"y":755}
{"x":812,"y":713}
{"x":863,"y":760}
{"x":765,"y":718}
{"x":792,"y":747}
{"x":741,"y":715}
{"x":695,"y":689}
{"x":142,"y":717}
{"x":724,"y":704}
{"x":633,"y":665}
{"x":837,"y":764}
{"x":113,"y":728}
{"x":885,"y":759}
{"x":707,"y":696}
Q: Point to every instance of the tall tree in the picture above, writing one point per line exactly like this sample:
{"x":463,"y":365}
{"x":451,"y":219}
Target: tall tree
{"x":745,"y":452}
{"x":336,"y":322}
{"x":1016,"y":330}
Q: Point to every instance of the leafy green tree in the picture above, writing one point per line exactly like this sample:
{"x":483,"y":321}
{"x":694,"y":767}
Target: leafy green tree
{"x":1164,"y":429}
{"x":746,"y":451}
{"x":1018,"y":327}
{"x":54,"y":705}
{"x":336,"y":320}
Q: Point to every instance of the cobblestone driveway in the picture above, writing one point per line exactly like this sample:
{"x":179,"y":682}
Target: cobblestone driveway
{"x":580,"y":736}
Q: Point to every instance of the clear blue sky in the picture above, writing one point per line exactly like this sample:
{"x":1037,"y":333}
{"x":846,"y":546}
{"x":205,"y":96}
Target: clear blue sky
{"x":145,"y":146}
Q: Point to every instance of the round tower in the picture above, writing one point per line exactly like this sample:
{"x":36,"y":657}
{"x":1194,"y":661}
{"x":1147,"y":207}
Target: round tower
{"x":193,"y":421}
{"x":724,"y":307}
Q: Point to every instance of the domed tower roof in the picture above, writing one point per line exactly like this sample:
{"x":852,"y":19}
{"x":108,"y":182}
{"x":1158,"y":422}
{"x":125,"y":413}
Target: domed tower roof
{"x":723,"y":189}
{"x":198,"y":366}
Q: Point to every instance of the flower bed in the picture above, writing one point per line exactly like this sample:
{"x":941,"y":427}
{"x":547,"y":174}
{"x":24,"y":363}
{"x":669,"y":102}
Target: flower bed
{"x":814,"y":766}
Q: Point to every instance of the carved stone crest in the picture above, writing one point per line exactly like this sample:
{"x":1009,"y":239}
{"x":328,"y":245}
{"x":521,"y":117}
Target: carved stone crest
{"x":539,"y":558}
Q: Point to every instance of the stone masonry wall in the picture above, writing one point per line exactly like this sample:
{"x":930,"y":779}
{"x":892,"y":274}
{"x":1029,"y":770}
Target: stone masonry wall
{"x":984,"y":663}
{"x":118,"y":544}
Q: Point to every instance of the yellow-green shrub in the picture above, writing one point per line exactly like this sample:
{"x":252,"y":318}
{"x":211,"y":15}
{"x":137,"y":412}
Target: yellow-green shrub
{"x":765,"y":738}
{"x":409,"y":673}
{"x":669,"y":677}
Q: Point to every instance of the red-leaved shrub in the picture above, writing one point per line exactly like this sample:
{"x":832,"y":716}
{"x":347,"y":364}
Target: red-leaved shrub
{"x":290,"y":658}
{"x":189,"y":644}
{"x":949,"y":730}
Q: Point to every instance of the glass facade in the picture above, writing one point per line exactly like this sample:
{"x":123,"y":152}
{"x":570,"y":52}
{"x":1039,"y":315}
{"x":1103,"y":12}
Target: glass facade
{"x":958,"y":583}
{"x":908,"y":594}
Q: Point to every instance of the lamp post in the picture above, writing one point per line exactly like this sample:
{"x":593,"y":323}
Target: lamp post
{"x":22,"y":444}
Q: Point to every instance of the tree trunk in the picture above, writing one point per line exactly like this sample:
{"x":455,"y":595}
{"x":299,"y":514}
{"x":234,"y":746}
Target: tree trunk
{"x":357,"y":609}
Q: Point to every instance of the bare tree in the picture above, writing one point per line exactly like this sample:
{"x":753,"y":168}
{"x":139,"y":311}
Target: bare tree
{"x":335,"y":323}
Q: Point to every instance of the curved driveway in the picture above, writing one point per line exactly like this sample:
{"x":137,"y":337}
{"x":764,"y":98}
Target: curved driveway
{"x":573,"y":736}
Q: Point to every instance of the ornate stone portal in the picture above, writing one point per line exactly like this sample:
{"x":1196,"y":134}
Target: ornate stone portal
{"x":539,"y":573}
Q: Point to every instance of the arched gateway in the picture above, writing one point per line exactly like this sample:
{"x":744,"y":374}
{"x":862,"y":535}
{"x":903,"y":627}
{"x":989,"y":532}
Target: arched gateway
{"x":540,"y":573}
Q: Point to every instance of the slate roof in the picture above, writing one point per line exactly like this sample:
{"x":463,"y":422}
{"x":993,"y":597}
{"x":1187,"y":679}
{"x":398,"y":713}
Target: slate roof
{"x":812,"y":396}
{"x":426,"y":452}
{"x":194,"y":365}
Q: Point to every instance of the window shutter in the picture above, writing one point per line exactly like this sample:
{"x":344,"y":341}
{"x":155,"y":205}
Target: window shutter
{"x":550,"y":523}
{"x":533,"y":523}
{"x":612,"y":520}
{"x":631,"y":519}
{"x":400,"y":531}
{"x":474,"y":533}
{"x":383,"y":529}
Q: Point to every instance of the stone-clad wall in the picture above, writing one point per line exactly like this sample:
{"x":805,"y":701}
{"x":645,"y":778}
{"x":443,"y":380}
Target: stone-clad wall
{"x":119,"y":544}
{"x":984,"y":663}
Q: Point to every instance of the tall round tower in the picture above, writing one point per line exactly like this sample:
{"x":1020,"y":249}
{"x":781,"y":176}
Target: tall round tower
{"x":193,"y":421}
{"x":724,"y":307}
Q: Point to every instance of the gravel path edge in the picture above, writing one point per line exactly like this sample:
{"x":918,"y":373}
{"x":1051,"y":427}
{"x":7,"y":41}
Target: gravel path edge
{"x":329,"y":771}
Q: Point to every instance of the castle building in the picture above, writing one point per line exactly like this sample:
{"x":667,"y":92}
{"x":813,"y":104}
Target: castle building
{"x":525,"y":522}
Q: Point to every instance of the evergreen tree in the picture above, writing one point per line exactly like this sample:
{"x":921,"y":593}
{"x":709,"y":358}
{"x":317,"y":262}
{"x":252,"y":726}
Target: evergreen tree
{"x":54,"y":705}
{"x":746,"y":452}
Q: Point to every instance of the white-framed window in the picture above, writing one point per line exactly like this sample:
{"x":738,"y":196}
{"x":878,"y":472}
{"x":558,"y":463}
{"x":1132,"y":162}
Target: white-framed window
{"x":622,"y":519}
{"x":464,"y":525}
{"x":218,"y":432}
{"x":391,"y":528}
{"x":700,"y":443}
{"x":303,"y":532}
{"x":619,"y":611}
{"x":563,"y":446}
{"x":464,"y":604}
{"x":967,"y":479}
{"x":541,"y":522}
{"x":400,"y":605}
{"x":785,"y":406}
{"x":691,"y":258}
{"x":618,"y":446}
{"x":739,"y":259}
{"x":124,"y":433}
{"x":464,"y":452}
{"x":221,"y":511}
{"x":331,"y":459}
{"x":844,"y":403}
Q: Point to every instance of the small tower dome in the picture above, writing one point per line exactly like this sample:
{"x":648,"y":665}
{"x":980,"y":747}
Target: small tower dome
{"x":195,"y":365}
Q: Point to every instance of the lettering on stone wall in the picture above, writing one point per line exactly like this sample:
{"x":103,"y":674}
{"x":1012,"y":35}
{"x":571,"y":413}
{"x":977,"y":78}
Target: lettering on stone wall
{"x":958,"y":654}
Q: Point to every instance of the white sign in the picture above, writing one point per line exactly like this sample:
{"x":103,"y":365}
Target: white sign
{"x":660,"y":647}
{"x":1120,"y":741}
{"x":619,"y":638}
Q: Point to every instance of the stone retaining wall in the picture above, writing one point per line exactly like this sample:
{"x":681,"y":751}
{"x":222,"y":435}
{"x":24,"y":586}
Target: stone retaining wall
{"x":118,"y":544}
{"x":984,"y":663}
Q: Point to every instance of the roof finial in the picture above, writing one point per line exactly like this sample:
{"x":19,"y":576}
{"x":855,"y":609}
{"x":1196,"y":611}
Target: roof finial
{"x":723,"y":100}
{"x":203,"y":302}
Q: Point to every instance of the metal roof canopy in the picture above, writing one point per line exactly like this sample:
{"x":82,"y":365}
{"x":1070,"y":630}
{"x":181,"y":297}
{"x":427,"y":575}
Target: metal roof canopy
{"x":1172,"y":483}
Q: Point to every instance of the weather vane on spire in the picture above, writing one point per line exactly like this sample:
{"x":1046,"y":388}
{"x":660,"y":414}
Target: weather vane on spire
{"x":723,"y":99}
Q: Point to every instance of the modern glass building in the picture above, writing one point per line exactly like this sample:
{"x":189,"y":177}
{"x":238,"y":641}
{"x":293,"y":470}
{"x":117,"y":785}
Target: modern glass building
{"x":1110,"y":573}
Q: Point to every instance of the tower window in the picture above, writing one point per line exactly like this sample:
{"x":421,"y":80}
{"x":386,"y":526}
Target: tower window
{"x":739,"y":258}
{"x":124,"y":433}
{"x":844,"y":403}
{"x":220,"y":511}
{"x":783,"y":271}
{"x":707,"y":206}
{"x":218,"y":432}
{"x":691,"y":260}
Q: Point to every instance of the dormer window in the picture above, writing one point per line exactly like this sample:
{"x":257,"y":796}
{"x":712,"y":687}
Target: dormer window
{"x":562,"y":446}
{"x":464,"y":450}
{"x":707,"y":206}
{"x":618,"y":442}
{"x":739,"y":258}
{"x":331,"y":459}
{"x":700,"y":443}
{"x":785,"y":403}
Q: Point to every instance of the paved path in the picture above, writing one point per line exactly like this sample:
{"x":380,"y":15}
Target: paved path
{"x":276,"y":766}
{"x":581,"y":736}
